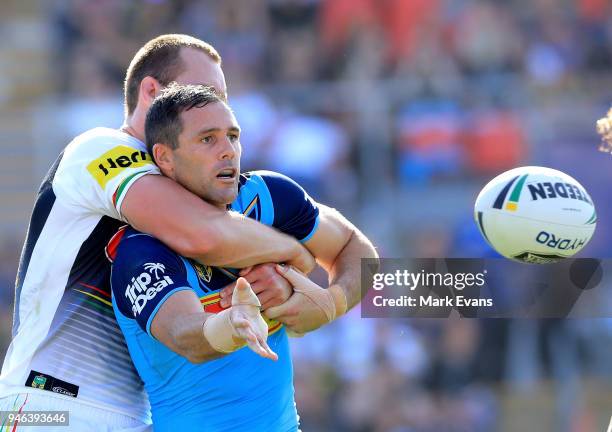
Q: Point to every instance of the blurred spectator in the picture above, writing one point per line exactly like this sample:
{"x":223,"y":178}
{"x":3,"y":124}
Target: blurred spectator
{"x":405,"y":23}
{"x":308,"y":149}
{"x":342,"y":20}
{"x":258,"y":118}
{"x":552,"y":52}
{"x":429,"y":141}
{"x":494,"y":142}
{"x":486,"y":39}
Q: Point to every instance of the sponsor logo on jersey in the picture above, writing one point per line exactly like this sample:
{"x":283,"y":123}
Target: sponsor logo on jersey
{"x":145,"y":286}
{"x":204,"y":272}
{"x":114,"y":161}
{"x":61,"y":390}
{"x":47,"y":382}
{"x":39,"y":381}
{"x":548,"y":190}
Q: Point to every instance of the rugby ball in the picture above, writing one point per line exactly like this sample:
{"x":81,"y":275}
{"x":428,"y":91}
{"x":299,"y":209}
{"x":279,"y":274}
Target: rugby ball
{"x":535,"y":215}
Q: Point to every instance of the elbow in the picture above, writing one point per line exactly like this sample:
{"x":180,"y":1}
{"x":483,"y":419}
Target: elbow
{"x":181,"y":338}
{"x":375,"y":259}
{"x":370,"y":253}
{"x":368,"y":249}
{"x":195,"y":353}
{"x":197,"y":358}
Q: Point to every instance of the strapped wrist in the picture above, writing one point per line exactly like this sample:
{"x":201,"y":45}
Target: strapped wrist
{"x":220,"y":334}
{"x":322,"y":298}
{"x":337,"y":293}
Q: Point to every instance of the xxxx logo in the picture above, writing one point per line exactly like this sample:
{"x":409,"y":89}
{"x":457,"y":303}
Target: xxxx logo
{"x":111,"y":163}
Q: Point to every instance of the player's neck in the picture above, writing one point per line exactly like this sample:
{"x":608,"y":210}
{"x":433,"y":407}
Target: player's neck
{"x":134,"y":126}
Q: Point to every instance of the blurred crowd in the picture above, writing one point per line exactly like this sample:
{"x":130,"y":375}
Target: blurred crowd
{"x":436,"y":49}
{"x":373,"y":106}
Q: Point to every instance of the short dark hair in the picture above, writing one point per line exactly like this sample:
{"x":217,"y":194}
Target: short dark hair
{"x":163,"y":123}
{"x":160,"y":58}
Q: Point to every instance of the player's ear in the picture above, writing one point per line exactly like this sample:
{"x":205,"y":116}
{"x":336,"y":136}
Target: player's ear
{"x":149,"y":88}
{"x":164,"y":158}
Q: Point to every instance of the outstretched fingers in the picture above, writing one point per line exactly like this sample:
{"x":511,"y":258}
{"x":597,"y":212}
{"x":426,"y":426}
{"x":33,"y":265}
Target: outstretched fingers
{"x":244,"y":330}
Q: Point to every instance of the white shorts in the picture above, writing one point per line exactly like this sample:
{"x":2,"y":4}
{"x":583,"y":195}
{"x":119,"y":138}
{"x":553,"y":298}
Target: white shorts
{"x":82,"y":417}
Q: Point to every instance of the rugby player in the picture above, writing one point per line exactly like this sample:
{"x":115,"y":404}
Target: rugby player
{"x":604,"y":129}
{"x":67,"y":351}
{"x":182,"y":342}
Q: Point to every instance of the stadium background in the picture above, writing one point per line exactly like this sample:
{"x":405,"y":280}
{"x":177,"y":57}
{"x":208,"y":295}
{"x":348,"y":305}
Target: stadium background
{"x":394,"y":111}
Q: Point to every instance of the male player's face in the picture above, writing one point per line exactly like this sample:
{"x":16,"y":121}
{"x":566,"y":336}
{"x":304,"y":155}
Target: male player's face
{"x":207,"y":160}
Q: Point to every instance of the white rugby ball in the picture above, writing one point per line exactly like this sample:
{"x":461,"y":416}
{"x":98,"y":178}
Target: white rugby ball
{"x":535,"y":214}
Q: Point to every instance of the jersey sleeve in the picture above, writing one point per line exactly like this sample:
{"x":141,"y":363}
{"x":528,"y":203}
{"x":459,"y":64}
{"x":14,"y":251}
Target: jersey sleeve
{"x":97,"y":169}
{"x":145,"y":274}
{"x":295,"y":212}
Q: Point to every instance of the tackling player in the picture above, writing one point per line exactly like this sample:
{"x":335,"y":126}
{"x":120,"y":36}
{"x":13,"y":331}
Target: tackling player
{"x":168,"y":306}
{"x":67,"y":352}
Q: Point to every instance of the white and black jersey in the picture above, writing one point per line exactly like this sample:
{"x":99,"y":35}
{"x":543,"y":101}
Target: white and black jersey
{"x":65,"y":336}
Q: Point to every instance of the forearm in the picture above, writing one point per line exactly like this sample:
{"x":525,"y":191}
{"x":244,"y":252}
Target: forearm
{"x":181,"y":325}
{"x":186,"y":338}
{"x":241,"y":242}
{"x":345,"y":272}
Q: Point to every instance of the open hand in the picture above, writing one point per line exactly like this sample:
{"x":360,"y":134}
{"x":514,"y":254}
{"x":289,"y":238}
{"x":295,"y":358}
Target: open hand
{"x":248,"y":324}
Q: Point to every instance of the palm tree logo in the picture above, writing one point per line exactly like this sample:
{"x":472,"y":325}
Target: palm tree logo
{"x":154,"y":268}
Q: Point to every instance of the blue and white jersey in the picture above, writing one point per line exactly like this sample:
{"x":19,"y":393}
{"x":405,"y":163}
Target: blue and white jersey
{"x":240,"y":391}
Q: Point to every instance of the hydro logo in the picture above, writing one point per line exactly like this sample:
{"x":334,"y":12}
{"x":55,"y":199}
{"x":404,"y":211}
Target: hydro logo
{"x":145,"y":286}
{"x":555,"y":242}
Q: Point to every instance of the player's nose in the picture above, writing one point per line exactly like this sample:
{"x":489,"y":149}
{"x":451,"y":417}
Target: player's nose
{"x":228,"y":151}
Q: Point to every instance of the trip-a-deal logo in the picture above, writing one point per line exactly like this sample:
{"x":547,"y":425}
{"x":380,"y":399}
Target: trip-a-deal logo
{"x":146,"y":285}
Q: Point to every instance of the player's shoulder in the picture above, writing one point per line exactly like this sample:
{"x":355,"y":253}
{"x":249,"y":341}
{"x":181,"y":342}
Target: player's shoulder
{"x":144,"y":273}
{"x":136,"y":253}
{"x":280,"y":201}
{"x":276,"y":186}
{"x":102,"y":153}
{"x":103,"y":139}
{"x":130,"y":246}
{"x":99,"y":134}
{"x":265,"y":174}
{"x":271,"y":179}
